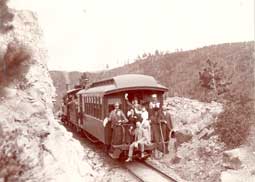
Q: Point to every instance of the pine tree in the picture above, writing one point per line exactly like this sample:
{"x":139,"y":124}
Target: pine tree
{"x":213,"y":78}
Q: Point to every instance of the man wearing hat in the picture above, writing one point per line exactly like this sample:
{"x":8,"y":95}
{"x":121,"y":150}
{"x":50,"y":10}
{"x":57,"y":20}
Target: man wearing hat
{"x":154,"y":104}
{"x":166,"y":118}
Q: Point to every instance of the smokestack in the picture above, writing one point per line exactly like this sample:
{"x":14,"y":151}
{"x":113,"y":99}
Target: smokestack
{"x":67,"y":79}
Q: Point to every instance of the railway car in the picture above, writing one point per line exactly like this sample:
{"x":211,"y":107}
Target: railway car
{"x":69,"y":106}
{"x":91,"y":107}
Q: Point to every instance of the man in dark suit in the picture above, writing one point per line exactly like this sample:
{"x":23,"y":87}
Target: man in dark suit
{"x":166,"y":118}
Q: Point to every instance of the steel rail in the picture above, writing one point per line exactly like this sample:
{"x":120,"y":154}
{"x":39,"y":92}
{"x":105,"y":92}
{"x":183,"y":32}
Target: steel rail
{"x":145,"y":172}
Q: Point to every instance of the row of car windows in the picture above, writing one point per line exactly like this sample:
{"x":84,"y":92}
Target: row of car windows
{"x":92,"y":105}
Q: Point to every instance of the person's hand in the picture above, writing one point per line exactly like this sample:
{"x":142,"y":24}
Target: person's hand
{"x":172,"y":134}
{"x":126,"y":96}
{"x":162,"y":121}
{"x":105,"y":121}
{"x":136,"y":145}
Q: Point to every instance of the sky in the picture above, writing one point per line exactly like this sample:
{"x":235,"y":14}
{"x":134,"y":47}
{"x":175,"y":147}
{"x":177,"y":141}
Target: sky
{"x":86,"y":35}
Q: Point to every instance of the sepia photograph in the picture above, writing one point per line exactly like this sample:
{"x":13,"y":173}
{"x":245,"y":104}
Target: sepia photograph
{"x":127,"y":91}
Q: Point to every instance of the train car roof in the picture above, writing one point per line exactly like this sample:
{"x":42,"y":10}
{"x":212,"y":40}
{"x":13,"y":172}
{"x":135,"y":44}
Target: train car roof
{"x":122,"y":83}
{"x":73,"y":91}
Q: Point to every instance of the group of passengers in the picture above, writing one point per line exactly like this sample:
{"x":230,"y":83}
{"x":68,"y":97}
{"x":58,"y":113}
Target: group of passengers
{"x":144,"y":123}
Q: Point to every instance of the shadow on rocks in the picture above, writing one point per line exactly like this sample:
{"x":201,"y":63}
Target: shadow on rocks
{"x":14,"y":65}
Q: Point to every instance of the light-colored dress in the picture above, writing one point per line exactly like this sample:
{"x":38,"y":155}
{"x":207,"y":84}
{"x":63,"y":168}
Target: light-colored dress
{"x":146,"y":126}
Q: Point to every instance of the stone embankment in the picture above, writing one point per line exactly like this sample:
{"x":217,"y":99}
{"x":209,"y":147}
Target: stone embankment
{"x":33,"y":145}
{"x":192,"y":118}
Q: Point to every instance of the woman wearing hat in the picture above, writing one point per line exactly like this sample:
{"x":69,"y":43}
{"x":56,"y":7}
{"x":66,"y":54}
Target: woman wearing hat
{"x":117,"y":117}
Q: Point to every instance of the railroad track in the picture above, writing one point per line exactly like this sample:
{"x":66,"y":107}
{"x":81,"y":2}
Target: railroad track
{"x":147,"y":173}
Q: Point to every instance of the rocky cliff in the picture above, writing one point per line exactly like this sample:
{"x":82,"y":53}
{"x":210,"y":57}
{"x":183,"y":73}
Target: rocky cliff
{"x":33,"y":145}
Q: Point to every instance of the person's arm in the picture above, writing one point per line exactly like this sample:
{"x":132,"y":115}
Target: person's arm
{"x":131,"y":131}
{"x":137,"y":111}
{"x":162,"y":118}
{"x":170,"y":124}
{"x":143,"y":139}
{"x":110,"y":116}
{"x":151,"y":105}
{"x":135,"y":132}
{"x":128,"y":103}
{"x":124,"y":117}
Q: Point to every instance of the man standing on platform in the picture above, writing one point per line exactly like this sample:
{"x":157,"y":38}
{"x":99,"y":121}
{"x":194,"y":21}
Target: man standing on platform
{"x":166,"y":118}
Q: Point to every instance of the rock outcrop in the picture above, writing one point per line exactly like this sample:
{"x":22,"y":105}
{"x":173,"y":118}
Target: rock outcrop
{"x":199,"y":152}
{"x":192,"y":118}
{"x":239,"y":164}
{"x":33,"y":145}
{"x":232,"y":158}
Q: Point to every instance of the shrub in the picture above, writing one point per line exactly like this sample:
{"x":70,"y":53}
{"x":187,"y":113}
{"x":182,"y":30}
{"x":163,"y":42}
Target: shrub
{"x":234,"y":123}
{"x":11,"y":66}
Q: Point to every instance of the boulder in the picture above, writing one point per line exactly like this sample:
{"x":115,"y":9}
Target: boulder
{"x":191,"y":114}
{"x":241,"y":165}
{"x":206,"y":133}
{"x":8,"y":92}
{"x":182,"y":136}
{"x":233,"y":159}
{"x":237,"y":176}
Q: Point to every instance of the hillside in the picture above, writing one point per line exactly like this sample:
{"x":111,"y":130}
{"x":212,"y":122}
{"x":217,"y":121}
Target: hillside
{"x":179,"y":70}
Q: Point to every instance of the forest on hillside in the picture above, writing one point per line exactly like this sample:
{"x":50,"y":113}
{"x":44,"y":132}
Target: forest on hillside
{"x":179,"y":71}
